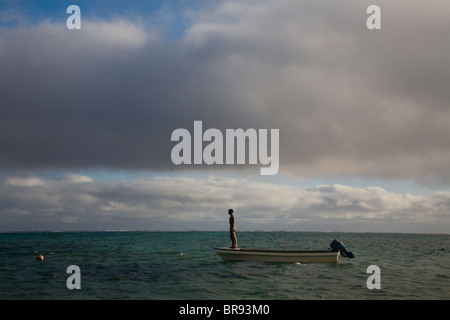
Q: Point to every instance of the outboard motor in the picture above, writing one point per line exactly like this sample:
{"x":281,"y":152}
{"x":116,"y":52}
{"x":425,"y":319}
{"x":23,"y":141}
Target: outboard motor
{"x":336,"y":246}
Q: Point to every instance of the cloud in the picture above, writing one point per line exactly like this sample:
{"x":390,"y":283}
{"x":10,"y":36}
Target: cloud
{"x":25,"y":182}
{"x":347,"y":101}
{"x":183,"y":203}
{"x":76,"y":178}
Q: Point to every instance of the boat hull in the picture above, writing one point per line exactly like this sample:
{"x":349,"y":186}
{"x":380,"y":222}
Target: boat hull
{"x":286,"y":256}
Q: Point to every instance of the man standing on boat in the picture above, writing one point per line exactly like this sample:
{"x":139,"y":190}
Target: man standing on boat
{"x":232,"y":230}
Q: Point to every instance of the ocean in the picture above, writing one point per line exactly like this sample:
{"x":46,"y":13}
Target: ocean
{"x":140,"y":265}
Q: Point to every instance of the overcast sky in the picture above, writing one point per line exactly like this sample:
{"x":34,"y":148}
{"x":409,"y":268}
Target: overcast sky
{"x":86,"y":116}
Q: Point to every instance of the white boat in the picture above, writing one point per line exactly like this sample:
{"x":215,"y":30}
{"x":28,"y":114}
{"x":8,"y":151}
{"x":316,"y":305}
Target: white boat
{"x":287,"y":256}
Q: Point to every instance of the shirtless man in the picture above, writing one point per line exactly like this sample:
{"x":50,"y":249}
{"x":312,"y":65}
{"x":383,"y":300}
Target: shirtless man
{"x":232,"y":230}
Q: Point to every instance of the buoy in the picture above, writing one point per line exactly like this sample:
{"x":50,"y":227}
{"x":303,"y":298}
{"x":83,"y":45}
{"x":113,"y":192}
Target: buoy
{"x":40,"y":257}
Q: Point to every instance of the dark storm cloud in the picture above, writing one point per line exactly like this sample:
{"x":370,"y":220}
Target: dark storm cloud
{"x":109,"y":97}
{"x":347,"y":100}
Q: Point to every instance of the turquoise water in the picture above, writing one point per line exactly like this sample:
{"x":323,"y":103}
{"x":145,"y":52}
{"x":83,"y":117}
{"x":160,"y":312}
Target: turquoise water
{"x":182,"y":265}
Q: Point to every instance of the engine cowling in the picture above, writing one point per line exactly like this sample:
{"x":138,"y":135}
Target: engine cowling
{"x":337,"y":245}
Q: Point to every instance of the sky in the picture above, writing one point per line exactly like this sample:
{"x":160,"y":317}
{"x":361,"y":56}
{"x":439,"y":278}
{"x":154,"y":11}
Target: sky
{"x":87,"y":115}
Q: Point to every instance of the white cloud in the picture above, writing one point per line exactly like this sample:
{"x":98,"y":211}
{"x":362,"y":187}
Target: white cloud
{"x":117,"y":34}
{"x":75,"y":178}
{"x":179,"y":202}
{"x":25,"y":182}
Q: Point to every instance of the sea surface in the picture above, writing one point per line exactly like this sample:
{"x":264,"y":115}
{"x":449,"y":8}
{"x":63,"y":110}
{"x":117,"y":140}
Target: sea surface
{"x":182,"y":265}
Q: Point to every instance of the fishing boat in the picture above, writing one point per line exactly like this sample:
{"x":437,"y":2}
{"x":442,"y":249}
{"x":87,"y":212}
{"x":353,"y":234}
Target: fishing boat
{"x":286,"y":256}
{"x":289,"y":256}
